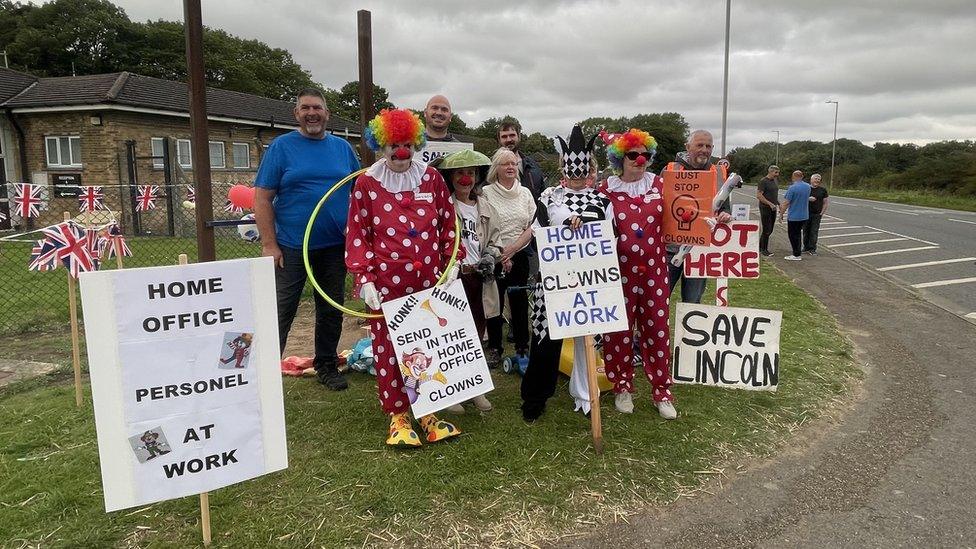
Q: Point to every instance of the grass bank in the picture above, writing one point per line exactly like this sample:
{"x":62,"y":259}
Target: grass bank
{"x":501,"y":483}
{"x":914,"y":198}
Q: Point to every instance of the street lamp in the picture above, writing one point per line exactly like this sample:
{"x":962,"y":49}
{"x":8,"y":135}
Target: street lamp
{"x":777,"y":147}
{"x":833,"y":152}
{"x":725,"y":87}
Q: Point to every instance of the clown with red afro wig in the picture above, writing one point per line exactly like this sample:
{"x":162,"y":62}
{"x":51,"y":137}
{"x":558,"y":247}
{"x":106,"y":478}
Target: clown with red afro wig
{"x":619,"y":143}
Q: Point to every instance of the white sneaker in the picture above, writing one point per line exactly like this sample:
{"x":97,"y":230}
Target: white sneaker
{"x":624,"y":403}
{"x":666,"y":409}
{"x":455,"y":409}
{"x":481,"y":403}
{"x":793,"y":258}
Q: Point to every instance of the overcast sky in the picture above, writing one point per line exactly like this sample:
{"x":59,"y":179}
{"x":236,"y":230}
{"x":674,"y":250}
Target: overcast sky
{"x":903,"y":71}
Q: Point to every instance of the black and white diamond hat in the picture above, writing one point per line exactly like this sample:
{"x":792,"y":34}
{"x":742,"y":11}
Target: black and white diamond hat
{"x":576,"y":155}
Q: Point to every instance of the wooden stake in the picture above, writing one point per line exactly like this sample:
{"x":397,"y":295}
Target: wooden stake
{"x":596,"y":426}
{"x":117,"y":244}
{"x":204,"y":496}
{"x":75,"y":346}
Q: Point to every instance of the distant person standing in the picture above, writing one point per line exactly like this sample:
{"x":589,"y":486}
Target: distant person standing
{"x":796,"y":208}
{"x":768,"y":196}
{"x":530,"y":174}
{"x":818,"y":208}
{"x":437,"y":118}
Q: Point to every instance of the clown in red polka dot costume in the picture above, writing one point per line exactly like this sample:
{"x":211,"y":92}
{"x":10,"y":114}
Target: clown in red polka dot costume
{"x":401,"y":233}
{"x":635,"y":195}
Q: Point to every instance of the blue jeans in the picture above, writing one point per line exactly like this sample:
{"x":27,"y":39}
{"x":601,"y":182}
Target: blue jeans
{"x":692,"y":289}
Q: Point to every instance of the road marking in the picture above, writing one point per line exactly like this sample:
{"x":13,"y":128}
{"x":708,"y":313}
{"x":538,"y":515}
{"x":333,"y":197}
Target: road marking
{"x":971,"y":315}
{"x":835,"y":228}
{"x":851,"y":234}
{"x":927,"y":264}
{"x":902,"y":235}
{"x":835,"y":201}
{"x":886,"y":252}
{"x":833,"y":223}
{"x":944,"y":282}
{"x":866,"y":242}
{"x":895,"y":211}
{"x":962,"y":221}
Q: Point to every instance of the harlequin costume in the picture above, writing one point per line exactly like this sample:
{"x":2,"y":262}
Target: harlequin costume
{"x":637,"y":215}
{"x":558,"y":206}
{"x":401,"y":232}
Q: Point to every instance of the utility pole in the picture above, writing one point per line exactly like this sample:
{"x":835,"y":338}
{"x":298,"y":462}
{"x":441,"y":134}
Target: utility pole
{"x":725,"y":87}
{"x":833,"y":152}
{"x":365,"y":80}
{"x":776,"y":162}
{"x":200,"y":144}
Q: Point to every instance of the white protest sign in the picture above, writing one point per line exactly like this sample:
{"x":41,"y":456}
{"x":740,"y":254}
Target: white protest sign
{"x":581,"y":280}
{"x":740,"y":212}
{"x":438,"y":349}
{"x":733,"y":253}
{"x":185,"y":378}
{"x":437,"y":149}
{"x":726,"y":347}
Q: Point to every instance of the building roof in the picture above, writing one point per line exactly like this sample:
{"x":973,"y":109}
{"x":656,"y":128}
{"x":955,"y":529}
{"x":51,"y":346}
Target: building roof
{"x":134,"y":90}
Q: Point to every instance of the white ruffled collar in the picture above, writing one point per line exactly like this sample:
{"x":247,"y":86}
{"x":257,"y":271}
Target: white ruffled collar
{"x":398,"y":182}
{"x":635,"y":188}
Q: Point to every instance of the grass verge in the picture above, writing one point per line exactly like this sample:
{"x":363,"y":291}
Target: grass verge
{"x":501,"y":483}
{"x":914,"y":198}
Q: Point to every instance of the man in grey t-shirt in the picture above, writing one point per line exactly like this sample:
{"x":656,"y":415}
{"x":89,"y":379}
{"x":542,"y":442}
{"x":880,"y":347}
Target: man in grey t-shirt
{"x":768,"y":196}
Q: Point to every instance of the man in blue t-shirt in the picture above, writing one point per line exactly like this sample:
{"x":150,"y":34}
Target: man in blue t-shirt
{"x":296,"y":171}
{"x":796,"y":207}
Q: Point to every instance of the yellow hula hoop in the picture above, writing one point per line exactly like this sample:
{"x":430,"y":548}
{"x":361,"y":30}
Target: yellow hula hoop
{"x":308,"y":266}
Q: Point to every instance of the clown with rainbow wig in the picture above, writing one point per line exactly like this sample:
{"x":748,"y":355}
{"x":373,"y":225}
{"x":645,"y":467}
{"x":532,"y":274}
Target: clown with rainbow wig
{"x":638,"y":210}
{"x":400,"y":236}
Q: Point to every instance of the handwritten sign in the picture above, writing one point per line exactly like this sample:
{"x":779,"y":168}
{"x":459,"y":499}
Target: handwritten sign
{"x":726,"y":347}
{"x":732,"y":253}
{"x":185,"y":378}
{"x":688,"y":198}
{"x":438,"y":348}
{"x":740,"y":212}
{"x":581,"y":280}
{"x":437,"y":149}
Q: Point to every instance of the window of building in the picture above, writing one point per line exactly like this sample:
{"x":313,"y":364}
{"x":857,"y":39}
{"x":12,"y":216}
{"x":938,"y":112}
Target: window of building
{"x":242,"y":155}
{"x":183,"y":155}
{"x":217,"y":158}
{"x":63,"y":151}
{"x":158,"y":144}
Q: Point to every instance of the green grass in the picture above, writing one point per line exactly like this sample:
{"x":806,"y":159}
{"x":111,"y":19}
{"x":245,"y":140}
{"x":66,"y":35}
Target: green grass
{"x":502,"y":482}
{"x":913,"y":197}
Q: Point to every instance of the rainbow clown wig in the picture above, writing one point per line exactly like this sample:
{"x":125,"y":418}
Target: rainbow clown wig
{"x":619,"y":143}
{"x":394,"y":127}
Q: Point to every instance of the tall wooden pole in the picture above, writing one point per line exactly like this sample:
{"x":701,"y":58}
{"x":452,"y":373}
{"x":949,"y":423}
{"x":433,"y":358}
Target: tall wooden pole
{"x":596,"y":425}
{"x":365,"y":80}
{"x":200,"y":150}
{"x":75,"y":339}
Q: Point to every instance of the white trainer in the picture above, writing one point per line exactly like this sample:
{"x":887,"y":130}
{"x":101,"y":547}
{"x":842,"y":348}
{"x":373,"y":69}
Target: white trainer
{"x":624,"y":403}
{"x":793,"y":258}
{"x":481,"y":403}
{"x":666,"y":409}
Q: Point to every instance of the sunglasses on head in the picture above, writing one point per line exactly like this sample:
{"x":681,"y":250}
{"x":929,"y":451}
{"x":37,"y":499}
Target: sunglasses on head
{"x":632,"y":155}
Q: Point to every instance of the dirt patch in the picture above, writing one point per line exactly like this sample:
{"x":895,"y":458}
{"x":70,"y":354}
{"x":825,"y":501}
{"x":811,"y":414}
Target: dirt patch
{"x":301,"y":339}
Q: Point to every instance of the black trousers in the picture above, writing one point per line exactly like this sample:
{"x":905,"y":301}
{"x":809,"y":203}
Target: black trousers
{"x":795,"y":230}
{"x":542,"y":373}
{"x":811,"y":230}
{"x":329,"y":267}
{"x":768,"y":218}
{"x":518,"y":304}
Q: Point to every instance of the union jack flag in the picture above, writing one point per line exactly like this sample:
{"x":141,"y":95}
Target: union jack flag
{"x":3,"y":216}
{"x":96,"y":243}
{"x":115,"y":236}
{"x":147,"y":198}
{"x":91,"y":199}
{"x":230,"y":207}
{"x":191,"y":194}
{"x":43,"y":257}
{"x":27,"y":199}
{"x":72,"y":247}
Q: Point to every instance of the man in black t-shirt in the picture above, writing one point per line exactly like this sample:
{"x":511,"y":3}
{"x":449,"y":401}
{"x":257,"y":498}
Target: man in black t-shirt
{"x":818,"y":207}
{"x":768,"y":196}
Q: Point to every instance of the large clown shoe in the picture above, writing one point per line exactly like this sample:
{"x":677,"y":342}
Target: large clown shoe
{"x":436,"y":429}
{"x":401,"y":432}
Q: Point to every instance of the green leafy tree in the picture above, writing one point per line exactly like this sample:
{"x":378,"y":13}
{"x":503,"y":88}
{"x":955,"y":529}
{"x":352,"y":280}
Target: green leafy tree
{"x":345,"y":101}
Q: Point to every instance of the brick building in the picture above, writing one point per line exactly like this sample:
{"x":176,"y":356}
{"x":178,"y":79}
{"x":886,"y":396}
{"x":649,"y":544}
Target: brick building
{"x":122,"y":130}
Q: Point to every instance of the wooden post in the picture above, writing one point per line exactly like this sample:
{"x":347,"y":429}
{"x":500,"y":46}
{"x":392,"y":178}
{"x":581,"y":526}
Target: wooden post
{"x":75,"y":347}
{"x":365,"y":81}
{"x":596,"y":426}
{"x":204,"y":496}
{"x":200,"y":149}
{"x":117,"y":244}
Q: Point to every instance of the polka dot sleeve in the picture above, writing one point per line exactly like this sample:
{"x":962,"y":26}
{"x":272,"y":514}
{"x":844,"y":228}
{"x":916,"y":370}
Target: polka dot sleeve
{"x":359,"y":234}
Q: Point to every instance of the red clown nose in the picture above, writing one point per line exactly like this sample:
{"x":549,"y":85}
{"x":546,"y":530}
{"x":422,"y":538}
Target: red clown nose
{"x":640,"y":161}
{"x":401,"y":153}
{"x":465,"y":181}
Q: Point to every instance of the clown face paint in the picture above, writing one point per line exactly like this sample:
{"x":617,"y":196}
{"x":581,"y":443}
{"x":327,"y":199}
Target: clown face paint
{"x":634,"y":169}
{"x":398,"y":156}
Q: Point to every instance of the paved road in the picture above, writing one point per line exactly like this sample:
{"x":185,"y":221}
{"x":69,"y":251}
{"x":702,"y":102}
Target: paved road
{"x":930,"y":250}
{"x":896,"y":470}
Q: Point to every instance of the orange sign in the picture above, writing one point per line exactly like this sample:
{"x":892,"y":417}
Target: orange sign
{"x":687,"y":202}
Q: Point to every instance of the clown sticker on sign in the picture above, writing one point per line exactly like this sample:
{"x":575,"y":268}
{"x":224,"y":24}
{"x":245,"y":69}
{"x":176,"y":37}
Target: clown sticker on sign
{"x":687,"y":203}
{"x":437,"y":348}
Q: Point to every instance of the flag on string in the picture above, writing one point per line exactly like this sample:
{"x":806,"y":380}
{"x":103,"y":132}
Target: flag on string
{"x":72,"y":247}
{"x":230,"y":207}
{"x":27,"y":200}
{"x":191,"y":194}
{"x":115,"y":236}
{"x":43,"y":256}
{"x":91,"y":198}
{"x":96,"y":243}
{"x":146,"y":199}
